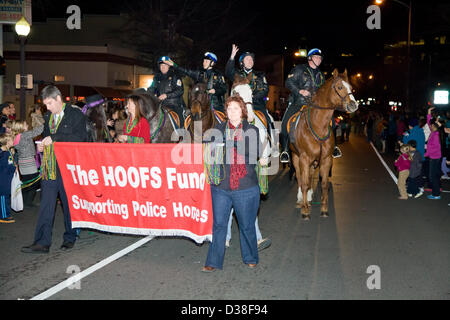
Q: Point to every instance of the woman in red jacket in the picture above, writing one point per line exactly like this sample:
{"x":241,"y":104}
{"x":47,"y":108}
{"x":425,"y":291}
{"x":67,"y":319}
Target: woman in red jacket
{"x":136,"y":129}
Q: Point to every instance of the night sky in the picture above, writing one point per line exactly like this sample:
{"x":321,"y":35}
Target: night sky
{"x":334,"y":26}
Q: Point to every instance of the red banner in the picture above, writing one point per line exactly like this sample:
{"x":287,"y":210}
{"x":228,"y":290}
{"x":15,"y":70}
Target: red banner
{"x":148,"y":189}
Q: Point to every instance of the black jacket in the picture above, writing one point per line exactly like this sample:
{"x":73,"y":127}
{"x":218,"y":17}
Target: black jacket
{"x":258,"y":83}
{"x":303,"y":77}
{"x":214,"y":80}
{"x":169,"y":84}
{"x":72,"y":127}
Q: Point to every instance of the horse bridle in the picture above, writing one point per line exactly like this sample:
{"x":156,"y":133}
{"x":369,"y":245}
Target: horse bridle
{"x":310,"y":104}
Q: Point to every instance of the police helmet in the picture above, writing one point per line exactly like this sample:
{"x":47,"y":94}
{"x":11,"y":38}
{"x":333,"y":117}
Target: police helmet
{"x":245,"y":54}
{"x":162,"y":59}
{"x":210,"y":56}
{"x":314,"y":52}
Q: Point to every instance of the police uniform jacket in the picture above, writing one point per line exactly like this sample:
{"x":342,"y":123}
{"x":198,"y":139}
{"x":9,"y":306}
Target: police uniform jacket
{"x":169,"y":84}
{"x":214,"y":80}
{"x":258,"y":83}
{"x":303,"y":77}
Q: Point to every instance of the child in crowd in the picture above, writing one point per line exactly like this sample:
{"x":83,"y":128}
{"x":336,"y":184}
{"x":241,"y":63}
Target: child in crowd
{"x":7,"y":169}
{"x":403,"y":164}
{"x":414,"y":184}
{"x":26,"y":150}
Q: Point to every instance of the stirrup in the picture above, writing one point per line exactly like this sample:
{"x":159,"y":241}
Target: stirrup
{"x":337,"y":152}
{"x":284,"y":157}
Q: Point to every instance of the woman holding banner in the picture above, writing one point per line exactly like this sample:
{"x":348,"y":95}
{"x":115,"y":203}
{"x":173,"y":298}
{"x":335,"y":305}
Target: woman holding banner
{"x":136,"y":129}
{"x":234,"y":183}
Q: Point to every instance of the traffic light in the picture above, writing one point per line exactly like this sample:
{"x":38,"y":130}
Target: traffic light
{"x":2,"y":66}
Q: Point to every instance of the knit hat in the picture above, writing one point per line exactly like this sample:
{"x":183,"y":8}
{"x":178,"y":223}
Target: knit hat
{"x":413,"y":122}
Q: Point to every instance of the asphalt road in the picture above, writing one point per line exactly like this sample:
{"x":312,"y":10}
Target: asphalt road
{"x":407,"y":243}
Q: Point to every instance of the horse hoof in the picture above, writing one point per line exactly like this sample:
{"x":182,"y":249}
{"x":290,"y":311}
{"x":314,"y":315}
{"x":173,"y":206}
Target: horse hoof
{"x":306,"y":217}
{"x":324,"y":214}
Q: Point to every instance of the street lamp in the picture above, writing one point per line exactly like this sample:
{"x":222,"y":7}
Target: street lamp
{"x":22,"y":29}
{"x":409,"y":7}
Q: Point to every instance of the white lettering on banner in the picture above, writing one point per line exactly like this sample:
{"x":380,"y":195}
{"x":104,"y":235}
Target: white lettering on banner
{"x":93,"y":208}
{"x":82,"y":175}
{"x":181,"y":211}
{"x":155,"y":172}
{"x":136,"y":177}
{"x":149,"y":210}
{"x":132,"y":176}
{"x":191,"y":180}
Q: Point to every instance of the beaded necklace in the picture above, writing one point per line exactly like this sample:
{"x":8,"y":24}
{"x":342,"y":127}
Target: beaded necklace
{"x":48,"y":166}
{"x":53,"y":125}
{"x":128,"y":129}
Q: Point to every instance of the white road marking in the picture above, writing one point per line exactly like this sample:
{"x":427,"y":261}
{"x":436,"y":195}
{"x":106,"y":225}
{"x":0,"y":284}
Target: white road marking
{"x":70,"y":281}
{"x":384,"y":164}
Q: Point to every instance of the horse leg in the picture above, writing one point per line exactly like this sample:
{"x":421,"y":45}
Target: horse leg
{"x":304,"y":170}
{"x":324,"y":170}
{"x":296,"y":164}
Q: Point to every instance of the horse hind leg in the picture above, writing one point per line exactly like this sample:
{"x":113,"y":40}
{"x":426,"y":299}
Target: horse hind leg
{"x":310,"y":192}
{"x":324,"y":170}
{"x":296,"y":165}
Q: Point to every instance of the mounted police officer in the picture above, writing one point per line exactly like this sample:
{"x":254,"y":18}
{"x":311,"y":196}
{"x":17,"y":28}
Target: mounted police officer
{"x":258,"y":82}
{"x":213,"y":78}
{"x":168,"y":88}
{"x":303,"y":81}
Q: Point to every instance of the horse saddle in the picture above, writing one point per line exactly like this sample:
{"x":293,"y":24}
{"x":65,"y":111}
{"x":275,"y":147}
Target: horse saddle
{"x":261,"y":117}
{"x":292,"y":124}
{"x":174,"y":119}
{"x":219,"y":115}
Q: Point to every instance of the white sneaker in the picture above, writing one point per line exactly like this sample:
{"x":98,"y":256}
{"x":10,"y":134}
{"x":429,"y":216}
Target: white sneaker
{"x":445,"y":177}
{"x":419,"y":194}
{"x":410,"y":195}
{"x":227,"y":243}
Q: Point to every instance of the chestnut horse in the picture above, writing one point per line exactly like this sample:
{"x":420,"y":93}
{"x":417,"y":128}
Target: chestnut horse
{"x":202,"y":117}
{"x":314,"y":142}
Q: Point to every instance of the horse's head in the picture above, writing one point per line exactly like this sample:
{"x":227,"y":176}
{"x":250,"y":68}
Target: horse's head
{"x":341,"y":92}
{"x":241,"y":86}
{"x":199,"y":100}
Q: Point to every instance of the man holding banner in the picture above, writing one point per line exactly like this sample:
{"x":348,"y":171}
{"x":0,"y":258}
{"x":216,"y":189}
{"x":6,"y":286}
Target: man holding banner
{"x":62,"y":123}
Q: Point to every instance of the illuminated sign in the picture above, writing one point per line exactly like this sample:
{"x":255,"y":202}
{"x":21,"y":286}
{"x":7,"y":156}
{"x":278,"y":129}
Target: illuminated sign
{"x":440,"y":97}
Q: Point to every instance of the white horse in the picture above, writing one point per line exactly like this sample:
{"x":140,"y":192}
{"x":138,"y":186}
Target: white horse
{"x":245,"y":92}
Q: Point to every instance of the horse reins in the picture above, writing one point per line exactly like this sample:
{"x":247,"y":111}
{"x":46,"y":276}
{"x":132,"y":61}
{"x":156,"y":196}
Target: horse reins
{"x":162,"y":119}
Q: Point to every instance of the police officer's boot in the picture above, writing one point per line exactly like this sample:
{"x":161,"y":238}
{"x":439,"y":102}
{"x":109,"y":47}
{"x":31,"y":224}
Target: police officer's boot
{"x":284,"y":156}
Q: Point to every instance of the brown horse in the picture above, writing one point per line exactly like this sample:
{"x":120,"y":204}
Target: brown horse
{"x":202,"y":117}
{"x":314,"y":142}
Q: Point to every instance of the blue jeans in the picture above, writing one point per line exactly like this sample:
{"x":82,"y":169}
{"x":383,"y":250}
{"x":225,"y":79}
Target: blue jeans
{"x":230,"y":222}
{"x":246,"y":204}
